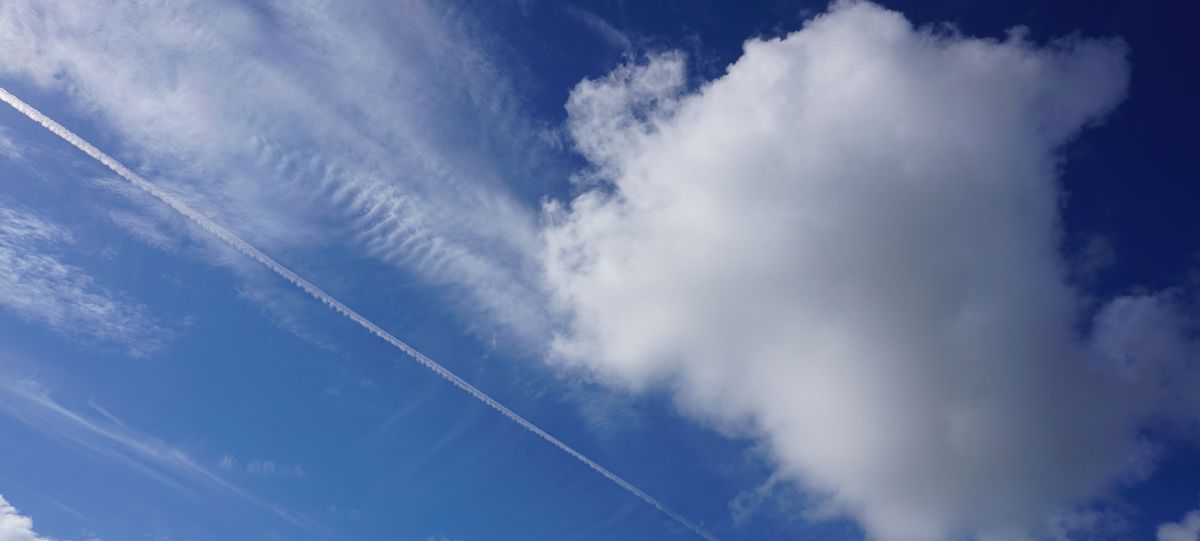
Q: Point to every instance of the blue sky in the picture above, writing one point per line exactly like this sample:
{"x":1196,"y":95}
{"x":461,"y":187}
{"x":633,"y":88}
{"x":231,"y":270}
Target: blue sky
{"x":796,"y":270}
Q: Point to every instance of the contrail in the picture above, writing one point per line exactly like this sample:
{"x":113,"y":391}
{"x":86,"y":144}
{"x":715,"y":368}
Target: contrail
{"x":316,"y":293}
{"x":36,"y":409}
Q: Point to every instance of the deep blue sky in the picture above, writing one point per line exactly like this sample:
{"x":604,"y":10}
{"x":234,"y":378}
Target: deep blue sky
{"x":208,"y":399}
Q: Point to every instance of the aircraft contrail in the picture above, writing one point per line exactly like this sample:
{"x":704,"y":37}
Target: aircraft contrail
{"x":316,"y":293}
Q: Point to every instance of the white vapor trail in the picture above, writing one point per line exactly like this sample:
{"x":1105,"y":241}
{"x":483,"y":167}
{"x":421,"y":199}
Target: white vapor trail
{"x":316,"y":292}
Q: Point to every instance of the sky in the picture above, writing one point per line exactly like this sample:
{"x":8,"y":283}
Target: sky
{"x":443,"y":270}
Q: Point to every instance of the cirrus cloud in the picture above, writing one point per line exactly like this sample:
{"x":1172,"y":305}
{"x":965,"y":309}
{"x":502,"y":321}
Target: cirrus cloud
{"x":38,"y":285}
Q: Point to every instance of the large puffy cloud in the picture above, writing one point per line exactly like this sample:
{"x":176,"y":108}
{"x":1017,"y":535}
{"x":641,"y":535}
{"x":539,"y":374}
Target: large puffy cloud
{"x":15,"y":526}
{"x":849,"y":246}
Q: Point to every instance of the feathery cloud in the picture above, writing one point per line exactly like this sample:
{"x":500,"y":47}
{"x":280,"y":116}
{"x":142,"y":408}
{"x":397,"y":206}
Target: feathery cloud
{"x":37,"y":285}
{"x":302,"y":124}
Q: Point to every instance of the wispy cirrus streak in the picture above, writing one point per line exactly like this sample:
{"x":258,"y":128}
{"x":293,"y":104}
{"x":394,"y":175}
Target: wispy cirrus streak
{"x":317,"y":293}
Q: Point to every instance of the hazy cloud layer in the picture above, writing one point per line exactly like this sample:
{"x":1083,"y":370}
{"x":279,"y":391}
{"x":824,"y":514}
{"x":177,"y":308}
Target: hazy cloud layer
{"x":849,"y":245}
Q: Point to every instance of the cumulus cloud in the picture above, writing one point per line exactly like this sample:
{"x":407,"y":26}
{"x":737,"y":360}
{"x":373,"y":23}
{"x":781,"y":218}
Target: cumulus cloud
{"x":14,"y":526}
{"x":849,"y":246}
{"x":38,"y":285}
{"x":1187,"y":529}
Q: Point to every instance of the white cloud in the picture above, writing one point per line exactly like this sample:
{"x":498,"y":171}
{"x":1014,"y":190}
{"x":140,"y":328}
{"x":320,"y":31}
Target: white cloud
{"x":849,"y":246}
{"x":1150,"y":344}
{"x":105,"y":435}
{"x":157,"y":225}
{"x":605,"y":30}
{"x":300,"y":124}
{"x":775,"y":496}
{"x":37,"y":285}
{"x":285,"y":308}
{"x":1187,"y":529}
{"x":144,"y":229}
{"x":265,"y":468}
{"x":15,"y":526}
{"x":9,"y":148}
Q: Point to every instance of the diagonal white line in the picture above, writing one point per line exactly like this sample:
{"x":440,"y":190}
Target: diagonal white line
{"x":316,"y":292}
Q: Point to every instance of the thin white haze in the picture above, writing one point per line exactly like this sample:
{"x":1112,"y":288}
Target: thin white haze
{"x":317,"y":293}
{"x":37,"y":410}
